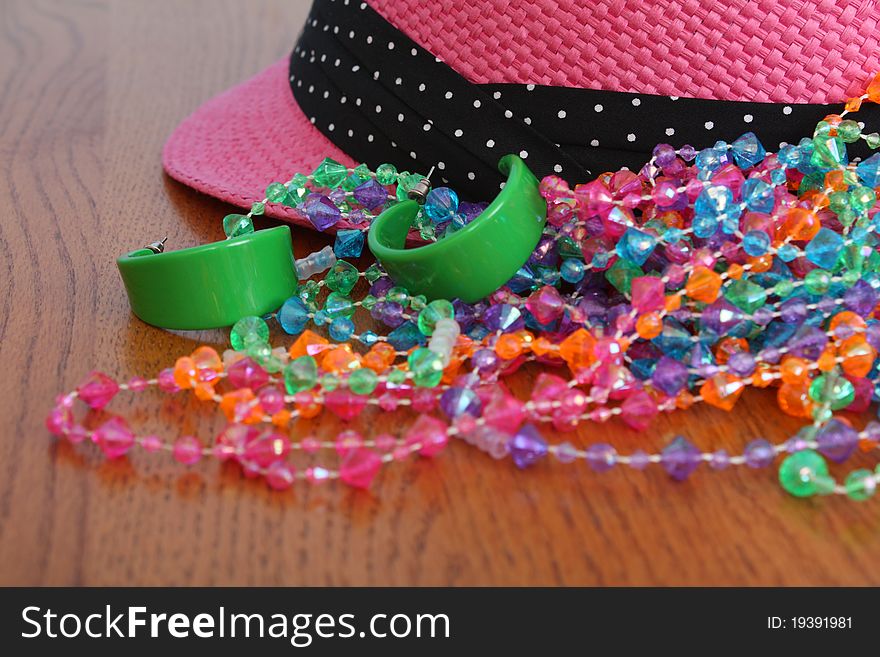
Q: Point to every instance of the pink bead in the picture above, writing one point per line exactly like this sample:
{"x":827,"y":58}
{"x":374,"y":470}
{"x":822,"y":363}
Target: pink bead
{"x":59,"y":421}
{"x":388,"y":402}
{"x":648,"y":294}
{"x":114,"y":437}
{"x":424,"y":400}
{"x":430,"y":433}
{"x":310,"y":445}
{"x":187,"y":450}
{"x":545,"y":304}
{"x":271,"y":400}
{"x":600,"y":414}
{"x":231,"y":441}
{"x":97,"y":390}
{"x":317,"y":475}
{"x":344,"y":404}
{"x":464,"y":423}
{"x":386,"y":442}
{"x":347,"y":441}
{"x":401,"y":453}
{"x":266,"y":448}
{"x":137,"y":384}
{"x":151,"y":443}
{"x":280,"y":475}
{"x":638,"y":410}
{"x":167,"y":382}
{"x":359,"y":467}
{"x":245,"y":373}
{"x":77,"y":434}
{"x":505,"y":413}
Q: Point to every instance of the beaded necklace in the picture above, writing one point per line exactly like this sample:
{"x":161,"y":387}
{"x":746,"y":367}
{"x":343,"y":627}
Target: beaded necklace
{"x":671,"y":326}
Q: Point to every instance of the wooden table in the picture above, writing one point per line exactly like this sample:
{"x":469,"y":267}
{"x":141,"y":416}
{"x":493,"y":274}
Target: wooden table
{"x":89,"y":90}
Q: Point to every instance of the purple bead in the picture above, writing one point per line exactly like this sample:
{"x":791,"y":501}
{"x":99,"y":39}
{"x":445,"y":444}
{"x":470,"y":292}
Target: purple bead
{"x":321,"y":211}
{"x":719,"y":460}
{"x":872,"y":430}
{"x":680,"y":458}
{"x":545,"y":253}
{"x":860,"y":298}
{"x":503,"y":317}
{"x":759,"y":453}
{"x":795,"y":444}
{"x":687,"y":152}
{"x":381,"y":286}
{"x":826,"y":304}
{"x":669,"y":376}
{"x":389,"y":313}
{"x":793,"y":311}
{"x":762,"y":316}
{"x":664,"y":154}
{"x":471,"y":210}
{"x":465,"y":314}
{"x":872,"y":334}
{"x":566,"y":452}
{"x":809,"y":342}
{"x":370,"y":194}
{"x":721,"y":316}
{"x":742,"y":363}
{"x":707,"y":370}
{"x":527,"y":446}
{"x":837,"y":440}
{"x":601,"y":457}
{"x":639,"y":460}
{"x":485,"y":360}
{"x":456,"y":401}
{"x":770,"y":355}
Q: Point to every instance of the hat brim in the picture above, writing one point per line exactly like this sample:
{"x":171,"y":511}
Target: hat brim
{"x":237,"y":143}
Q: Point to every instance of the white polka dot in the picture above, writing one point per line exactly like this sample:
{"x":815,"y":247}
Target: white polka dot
{"x":336,"y":63}
{"x":561,"y":114}
{"x":530,"y":87}
{"x":326,"y":94}
{"x":375,"y":75}
{"x":299,"y":83}
{"x":390,"y":45}
{"x":398,"y":81}
{"x":523,"y":154}
{"x":400,"y":117}
{"x":394,"y":144}
{"x":336,"y":29}
{"x":331,"y":127}
{"x":324,"y":57}
{"x":413,"y":52}
{"x":459,"y":132}
{"x":670,"y":132}
{"x":786,"y":110}
{"x":497,"y":95}
{"x":630,"y":137}
{"x":490,"y":143}
{"x":370,"y":39}
{"x":422,"y":86}
{"x":292,"y":78}
{"x":709,"y":125}
{"x":357,"y":101}
{"x":363,"y":6}
{"x":594,"y":142}
{"x":426,"y":127}
{"x":351,"y":133}
{"x":370,"y":137}
{"x":598,"y":107}
{"x":471,"y":175}
{"x":351,"y":35}
{"x":477,"y":103}
{"x":673,"y":98}
{"x":441,"y":165}
{"x":557,"y":168}
{"x":312,"y":119}
{"x":527,"y":120}
{"x":311,"y":88}
{"x":636,"y":102}
{"x":748,"y":118}
{"x":412,"y":154}
{"x":448,"y":95}
{"x":508,"y":114}
{"x":861,"y":125}
{"x":355,"y":68}
{"x":378,"y":108}
{"x":342,"y":100}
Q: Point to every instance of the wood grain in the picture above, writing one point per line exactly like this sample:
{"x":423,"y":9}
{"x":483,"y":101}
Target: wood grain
{"x":89,"y":90}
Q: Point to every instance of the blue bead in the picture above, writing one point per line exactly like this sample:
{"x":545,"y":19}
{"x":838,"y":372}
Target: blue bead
{"x":824,"y":249}
{"x":713,"y":200}
{"x":635,"y":246}
{"x":406,"y":336}
{"x":321,"y":318}
{"x":572,"y":270}
{"x":341,"y":329}
{"x":758,"y":195}
{"x":756,"y":242}
{"x":293,"y":316}
{"x":349,"y":243}
{"x":789,"y":155}
{"x":748,"y":151}
{"x":787,"y":252}
{"x":778,"y":176}
{"x":673,"y":235}
{"x":441,"y":205}
{"x":368,"y":338}
{"x":869,"y":171}
{"x":704,"y":226}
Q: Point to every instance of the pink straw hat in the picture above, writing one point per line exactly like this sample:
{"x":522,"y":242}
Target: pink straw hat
{"x":786,"y":52}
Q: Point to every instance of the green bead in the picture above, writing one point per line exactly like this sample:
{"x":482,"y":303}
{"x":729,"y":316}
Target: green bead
{"x":798,"y":471}
{"x":745,"y":295}
{"x":833,"y":390}
{"x":276,"y":192}
{"x":418,"y":302}
{"x":300,"y":374}
{"x":622,"y":273}
{"x":297,"y":190}
{"x":426,"y":367}
{"x":351,"y":182}
{"x":247,"y":331}
{"x":873,"y":139}
{"x":849,"y":131}
{"x":817,"y":281}
{"x":783,"y":288}
{"x":235,"y":225}
{"x":373,"y":273}
{"x":838,"y":201}
{"x":434,"y":312}
{"x":860,"y":485}
{"x":272,"y":364}
{"x":822,"y":129}
{"x":369,"y":301}
{"x":828,"y":152}
{"x":307,"y":291}
{"x":568,"y":248}
{"x":362,"y":381}
{"x":338,"y":305}
{"x":847,"y":216}
{"x":850,"y":278}
{"x":406,"y":183}
{"x":397,"y":294}
{"x":862,"y":198}
{"x":259,"y":352}
{"x":363,"y":172}
{"x":822,"y":413}
{"x":329,"y":382}
{"x":329,"y":173}
{"x":386,"y":174}
{"x":396,"y":377}
{"x":428,"y":233}
{"x":342,"y":277}
{"x":258,"y":208}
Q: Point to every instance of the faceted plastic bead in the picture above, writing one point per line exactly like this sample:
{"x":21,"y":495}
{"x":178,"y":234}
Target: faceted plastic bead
{"x":647,"y":293}
{"x":247,"y":331}
{"x":429,"y":433}
{"x":703,"y":284}
{"x":97,"y":390}
{"x":745,"y":295}
{"x":670,"y":376}
{"x":280,"y":475}
{"x":114,"y":437}
{"x":342,"y":277}
{"x":370,"y":194}
{"x":344,"y":404}
{"x":837,"y":440}
{"x":825,"y":248}
{"x":300,"y":374}
{"x":293,"y":316}
{"x":868,"y":171}
{"x":321,"y":211}
{"x":505,"y":413}
{"x":759,"y":453}
{"x":441,"y":205}
{"x":349,"y":243}
{"x":340,"y":360}
{"x":434,"y":312}
{"x":426,"y":367}
{"x":747,"y":151}
{"x":187,"y":450}
{"x":601,"y":457}
{"x":341,"y":329}
{"x":276,"y":192}
{"x":799,"y":471}
{"x":406,"y":336}
{"x":835,"y":391}
{"x":722,"y":391}
{"x":680,"y":458}
{"x":636,"y":245}
{"x":577,"y":349}
{"x":329,"y":173}
{"x":235,"y":225}
{"x":362,"y":381}
{"x":873,"y":90}
{"x":860,"y":485}
{"x":638,"y":410}
{"x":338,"y":305}
{"x":386,"y":174}
{"x":527,"y":446}
{"x":359,"y":467}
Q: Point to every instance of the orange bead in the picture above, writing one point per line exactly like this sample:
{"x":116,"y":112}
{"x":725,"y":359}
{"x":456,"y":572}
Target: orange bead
{"x":801,"y":224}
{"x":206,"y":358}
{"x":816,"y":198}
{"x":509,"y":346}
{"x":577,"y":349}
{"x":833,"y":119}
{"x":311,"y":344}
{"x":703,"y":284}
{"x":307,"y":404}
{"x":763,"y":376}
{"x":340,"y":359}
{"x":794,"y":400}
{"x":281,"y":419}
{"x":828,"y":360}
{"x":853,"y":104}
{"x":794,"y":370}
{"x":204,"y":391}
{"x":760,"y":264}
{"x":729,"y":346}
{"x":735,"y":271}
{"x":672,"y":303}
{"x":238,"y":402}
{"x":380,"y":357}
{"x":684,"y":400}
{"x":543,"y":347}
{"x":185,"y":374}
{"x":649,"y":326}
{"x":858,"y":356}
{"x":834,"y":180}
{"x":847,"y":318}
{"x":873,"y":90}
{"x":722,"y":391}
